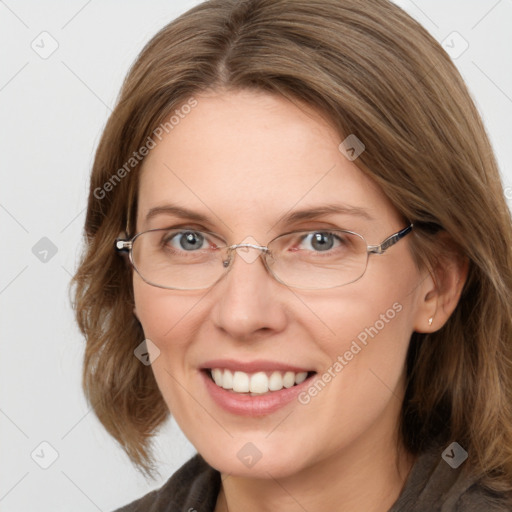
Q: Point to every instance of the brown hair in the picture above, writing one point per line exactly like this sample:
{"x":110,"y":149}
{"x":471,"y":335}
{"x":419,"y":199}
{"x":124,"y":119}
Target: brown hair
{"x":374,"y":72}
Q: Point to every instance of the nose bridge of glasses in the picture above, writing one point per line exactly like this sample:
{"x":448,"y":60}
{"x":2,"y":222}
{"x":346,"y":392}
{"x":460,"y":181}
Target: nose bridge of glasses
{"x":243,"y":250}
{"x":253,"y":246}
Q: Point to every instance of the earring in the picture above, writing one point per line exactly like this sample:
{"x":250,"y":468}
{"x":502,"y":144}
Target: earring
{"x":430,"y":320}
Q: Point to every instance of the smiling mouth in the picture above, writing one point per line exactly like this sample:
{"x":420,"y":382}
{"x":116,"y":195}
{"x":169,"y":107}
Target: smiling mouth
{"x":257,"y":383}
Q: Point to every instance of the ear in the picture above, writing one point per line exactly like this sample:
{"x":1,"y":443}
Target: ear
{"x":443,"y":286}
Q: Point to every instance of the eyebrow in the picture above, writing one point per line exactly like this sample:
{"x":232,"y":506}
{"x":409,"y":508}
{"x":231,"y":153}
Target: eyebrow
{"x":321,"y":211}
{"x":177,"y":211}
{"x":289,"y":218}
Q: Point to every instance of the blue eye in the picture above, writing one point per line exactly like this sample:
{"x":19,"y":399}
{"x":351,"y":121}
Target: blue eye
{"x":187,"y":240}
{"x":321,"y":241}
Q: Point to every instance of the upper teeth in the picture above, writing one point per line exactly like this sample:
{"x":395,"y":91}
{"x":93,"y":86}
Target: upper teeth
{"x":258,"y":382}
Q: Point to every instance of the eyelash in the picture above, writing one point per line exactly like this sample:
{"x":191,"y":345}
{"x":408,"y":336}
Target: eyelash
{"x":180,"y":230}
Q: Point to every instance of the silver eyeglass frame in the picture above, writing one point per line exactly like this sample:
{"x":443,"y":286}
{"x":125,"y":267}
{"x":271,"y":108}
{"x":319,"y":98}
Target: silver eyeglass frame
{"x":126,"y":245}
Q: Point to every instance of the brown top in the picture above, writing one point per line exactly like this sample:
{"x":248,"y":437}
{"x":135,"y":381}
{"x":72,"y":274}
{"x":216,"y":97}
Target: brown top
{"x":432,"y":486}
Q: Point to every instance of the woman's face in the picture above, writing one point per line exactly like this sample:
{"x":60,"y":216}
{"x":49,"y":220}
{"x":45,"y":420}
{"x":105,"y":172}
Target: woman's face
{"x":246,"y":162}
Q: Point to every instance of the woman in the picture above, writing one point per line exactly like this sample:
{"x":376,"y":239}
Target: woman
{"x":297,"y":243}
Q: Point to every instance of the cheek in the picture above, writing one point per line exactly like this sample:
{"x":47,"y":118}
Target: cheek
{"x":164,"y":314}
{"x":370,"y":330}
{"x":361,"y":316}
{"x":369,"y":349}
{"x":170,"y":319}
{"x":362,"y":378}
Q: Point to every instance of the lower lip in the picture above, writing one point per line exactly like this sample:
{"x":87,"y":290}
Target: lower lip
{"x":247,"y":405}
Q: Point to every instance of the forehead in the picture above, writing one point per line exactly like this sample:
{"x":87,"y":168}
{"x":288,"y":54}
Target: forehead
{"x":248,"y":158}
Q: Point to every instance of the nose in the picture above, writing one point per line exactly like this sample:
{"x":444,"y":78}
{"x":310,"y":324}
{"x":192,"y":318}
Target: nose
{"x":249,"y":302}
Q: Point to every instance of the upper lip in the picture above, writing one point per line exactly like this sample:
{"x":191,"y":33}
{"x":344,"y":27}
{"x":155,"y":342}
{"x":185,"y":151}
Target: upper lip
{"x":253,"y":366}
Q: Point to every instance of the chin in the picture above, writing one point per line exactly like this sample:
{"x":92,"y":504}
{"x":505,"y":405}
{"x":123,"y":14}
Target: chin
{"x":255,"y":457}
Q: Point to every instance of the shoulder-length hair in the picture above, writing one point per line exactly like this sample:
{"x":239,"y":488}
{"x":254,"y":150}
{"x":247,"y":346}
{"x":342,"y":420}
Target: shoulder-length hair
{"x":376,"y":73}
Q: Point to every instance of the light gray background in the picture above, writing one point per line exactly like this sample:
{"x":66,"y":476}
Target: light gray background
{"x":52,"y":114}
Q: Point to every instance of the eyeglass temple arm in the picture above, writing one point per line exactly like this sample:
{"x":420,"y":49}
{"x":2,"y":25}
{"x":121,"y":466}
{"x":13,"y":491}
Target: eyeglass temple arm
{"x":391,"y":240}
{"x":123,"y":245}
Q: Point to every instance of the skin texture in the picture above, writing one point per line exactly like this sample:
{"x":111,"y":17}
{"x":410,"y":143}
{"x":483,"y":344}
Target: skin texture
{"x":245,"y":159}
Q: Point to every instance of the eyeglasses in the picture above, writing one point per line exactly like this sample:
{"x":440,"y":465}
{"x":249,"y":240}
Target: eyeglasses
{"x":187,"y":259}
